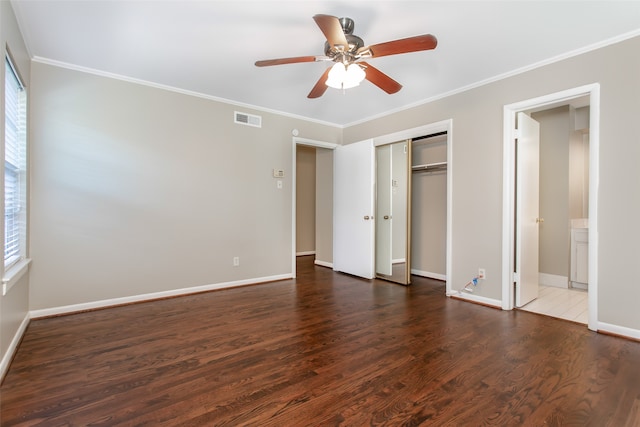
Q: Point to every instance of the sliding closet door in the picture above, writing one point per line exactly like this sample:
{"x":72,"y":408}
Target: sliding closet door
{"x":393,"y":209}
{"x":384,"y":211}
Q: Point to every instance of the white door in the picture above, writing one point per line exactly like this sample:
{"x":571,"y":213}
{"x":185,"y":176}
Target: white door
{"x":527,"y":208}
{"x":353,"y":221}
{"x":383,"y":213}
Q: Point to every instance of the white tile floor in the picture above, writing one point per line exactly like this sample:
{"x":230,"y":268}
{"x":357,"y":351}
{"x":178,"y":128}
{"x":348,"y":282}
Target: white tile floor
{"x":569,"y":304}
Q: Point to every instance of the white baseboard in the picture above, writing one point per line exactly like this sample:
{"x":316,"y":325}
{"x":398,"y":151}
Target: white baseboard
{"x":398,"y":261}
{"x":619,"y":330}
{"x":553,"y":280}
{"x":323,"y":263}
{"x":305,"y":253}
{"x":476,"y":298}
{"x":429,"y":274}
{"x":54,"y":311}
{"x":13,"y":346}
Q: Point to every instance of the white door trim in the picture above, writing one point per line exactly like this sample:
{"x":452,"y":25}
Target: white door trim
{"x":441,"y":126}
{"x":295,"y":142}
{"x":508,"y":189}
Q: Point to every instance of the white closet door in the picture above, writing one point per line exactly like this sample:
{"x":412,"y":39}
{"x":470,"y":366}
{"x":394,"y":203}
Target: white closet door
{"x":353,"y":239}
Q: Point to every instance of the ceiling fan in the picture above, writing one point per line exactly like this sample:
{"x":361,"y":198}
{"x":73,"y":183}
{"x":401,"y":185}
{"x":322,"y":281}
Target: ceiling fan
{"x":348,"y":52}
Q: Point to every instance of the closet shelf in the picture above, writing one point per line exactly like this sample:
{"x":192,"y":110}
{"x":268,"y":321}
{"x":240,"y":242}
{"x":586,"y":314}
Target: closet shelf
{"x":430,"y":166}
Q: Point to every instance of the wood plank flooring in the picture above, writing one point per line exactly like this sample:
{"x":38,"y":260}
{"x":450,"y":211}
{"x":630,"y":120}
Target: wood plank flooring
{"x":325,"y":349}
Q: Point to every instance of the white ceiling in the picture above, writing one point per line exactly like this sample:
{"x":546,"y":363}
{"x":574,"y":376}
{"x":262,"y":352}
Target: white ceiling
{"x":209,"y":46}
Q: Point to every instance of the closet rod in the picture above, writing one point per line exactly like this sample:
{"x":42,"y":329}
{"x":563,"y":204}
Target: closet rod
{"x":430,"y":166}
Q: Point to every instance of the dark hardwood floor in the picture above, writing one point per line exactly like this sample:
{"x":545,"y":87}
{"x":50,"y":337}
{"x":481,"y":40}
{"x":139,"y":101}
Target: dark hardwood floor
{"x":326,"y":349}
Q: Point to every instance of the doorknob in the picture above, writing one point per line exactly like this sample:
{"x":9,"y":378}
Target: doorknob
{"x":539,"y":220}
{"x":366,"y":217}
{"x":387,"y":217}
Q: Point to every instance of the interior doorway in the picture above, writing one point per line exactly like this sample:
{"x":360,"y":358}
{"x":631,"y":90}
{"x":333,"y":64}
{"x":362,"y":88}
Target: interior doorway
{"x":562,"y":273}
{"x":316,"y":238}
{"x":305,"y":200}
{"x":557,"y":268}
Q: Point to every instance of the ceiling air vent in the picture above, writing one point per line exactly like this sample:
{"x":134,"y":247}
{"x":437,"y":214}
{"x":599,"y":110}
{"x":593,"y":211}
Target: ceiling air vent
{"x":247,"y":119}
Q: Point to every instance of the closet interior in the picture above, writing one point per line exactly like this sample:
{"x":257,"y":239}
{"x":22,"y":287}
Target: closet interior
{"x":411,"y":208}
{"x":429,"y":206}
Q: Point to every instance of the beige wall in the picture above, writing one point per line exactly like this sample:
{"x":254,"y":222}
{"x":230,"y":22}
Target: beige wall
{"x":324,"y":206}
{"x":305,"y":199}
{"x":138,"y":190}
{"x":477,"y":169}
{"x":14,"y":306}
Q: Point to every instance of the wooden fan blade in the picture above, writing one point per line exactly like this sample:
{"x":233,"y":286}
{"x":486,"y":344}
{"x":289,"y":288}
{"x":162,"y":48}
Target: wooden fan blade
{"x":411,"y":44}
{"x":332,"y":30}
{"x":380,"y":79}
{"x":321,"y":85}
{"x":281,"y":61}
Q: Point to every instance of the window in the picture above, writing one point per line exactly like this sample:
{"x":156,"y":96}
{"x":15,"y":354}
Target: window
{"x":15,"y":174}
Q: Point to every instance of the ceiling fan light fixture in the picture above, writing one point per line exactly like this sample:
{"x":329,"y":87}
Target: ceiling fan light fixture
{"x":342,"y":76}
{"x":347,"y":51}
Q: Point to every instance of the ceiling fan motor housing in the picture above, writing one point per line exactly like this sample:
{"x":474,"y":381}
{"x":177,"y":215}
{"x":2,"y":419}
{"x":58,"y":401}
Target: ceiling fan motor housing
{"x":347,"y":25}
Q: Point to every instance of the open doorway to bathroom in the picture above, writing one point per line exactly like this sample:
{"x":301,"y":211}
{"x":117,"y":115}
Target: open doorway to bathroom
{"x":563,"y":232}
{"x":520,"y":276}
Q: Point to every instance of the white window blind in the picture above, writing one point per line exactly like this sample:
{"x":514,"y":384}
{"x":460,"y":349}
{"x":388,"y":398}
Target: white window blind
{"x":14,"y":168}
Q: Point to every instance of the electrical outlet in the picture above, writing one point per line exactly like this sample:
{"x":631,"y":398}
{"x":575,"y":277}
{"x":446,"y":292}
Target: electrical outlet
{"x":481,"y":273}
{"x":236,"y":261}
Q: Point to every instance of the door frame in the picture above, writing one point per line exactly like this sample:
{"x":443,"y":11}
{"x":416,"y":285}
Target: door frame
{"x":311,"y":143}
{"x":441,"y":126}
{"x":508,"y":190}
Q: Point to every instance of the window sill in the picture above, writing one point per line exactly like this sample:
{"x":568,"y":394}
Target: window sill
{"x":14,"y":274}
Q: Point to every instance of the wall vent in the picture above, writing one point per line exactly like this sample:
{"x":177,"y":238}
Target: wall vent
{"x":247,"y":119}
